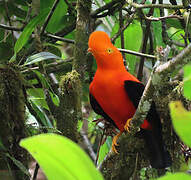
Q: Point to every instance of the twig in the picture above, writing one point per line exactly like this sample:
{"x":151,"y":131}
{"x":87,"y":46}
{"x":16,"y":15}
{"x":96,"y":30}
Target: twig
{"x":70,"y":7}
{"x":88,"y":145}
{"x":137,"y":53}
{"x":145,"y":40}
{"x":11,"y":28}
{"x":165,"y":36}
{"x":3,"y":26}
{"x":9,"y":19}
{"x":35,"y":171}
{"x":122,"y":34}
{"x":162,"y":18}
{"x":164,"y":6}
{"x":99,"y":146}
{"x":105,"y":7}
{"x":59,"y":38}
{"x":49,"y":16}
{"x":130,"y":19}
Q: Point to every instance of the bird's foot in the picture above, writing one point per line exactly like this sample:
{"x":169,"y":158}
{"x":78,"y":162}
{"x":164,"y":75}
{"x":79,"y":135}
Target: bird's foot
{"x":127,"y":125}
{"x":114,"y":142}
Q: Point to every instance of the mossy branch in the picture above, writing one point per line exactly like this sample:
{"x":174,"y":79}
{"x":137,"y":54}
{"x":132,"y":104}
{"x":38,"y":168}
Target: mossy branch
{"x":158,"y":78}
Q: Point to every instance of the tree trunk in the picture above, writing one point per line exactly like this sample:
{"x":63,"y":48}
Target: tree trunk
{"x":12,"y":116}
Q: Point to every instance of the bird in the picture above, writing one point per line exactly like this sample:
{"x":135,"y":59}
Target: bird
{"x":114,"y":94}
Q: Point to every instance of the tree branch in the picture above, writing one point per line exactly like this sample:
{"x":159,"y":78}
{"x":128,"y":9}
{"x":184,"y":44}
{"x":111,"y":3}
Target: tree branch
{"x":155,"y":83}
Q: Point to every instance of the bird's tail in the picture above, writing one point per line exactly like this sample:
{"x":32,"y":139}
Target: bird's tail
{"x":159,"y":156}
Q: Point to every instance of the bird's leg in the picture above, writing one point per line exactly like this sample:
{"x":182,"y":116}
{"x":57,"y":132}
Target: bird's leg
{"x":127,"y":124}
{"x":97,"y":121}
{"x":114,"y":141}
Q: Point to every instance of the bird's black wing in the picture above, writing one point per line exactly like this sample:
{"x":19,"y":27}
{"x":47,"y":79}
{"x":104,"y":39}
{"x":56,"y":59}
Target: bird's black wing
{"x":134,"y":90}
{"x":98,"y":109}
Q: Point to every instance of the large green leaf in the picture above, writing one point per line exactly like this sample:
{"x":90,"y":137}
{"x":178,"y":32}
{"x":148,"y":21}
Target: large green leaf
{"x":28,"y":30}
{"x":187,"y":81}
{"x":176,"y":176}
{"x":60,"y":158}
{"x":181,"y":119}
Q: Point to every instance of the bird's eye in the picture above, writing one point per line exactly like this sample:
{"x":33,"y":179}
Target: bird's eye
{"x":109,"y":50}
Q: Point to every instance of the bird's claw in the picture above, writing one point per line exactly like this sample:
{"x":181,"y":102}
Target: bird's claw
{"x":127,"y":125}
{"x":114,"y":142}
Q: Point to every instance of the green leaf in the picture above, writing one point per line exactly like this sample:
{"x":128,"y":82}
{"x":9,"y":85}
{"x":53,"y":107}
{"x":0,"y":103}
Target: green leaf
{"x":104,"y":149}
{"x":187,"y":81}
{"x":19,"y":165}
{"x":60,"y":158}
{"x":46,"y":85}
{"x":41,"y":115}
{"x":176,"y":176}
{"x":56,"y":22}
{"x":37,"y":96}
{"x":21,"y":41}
{"x":55,"y":98}
{"x":181,"y":119}
{"x":42,"y":56}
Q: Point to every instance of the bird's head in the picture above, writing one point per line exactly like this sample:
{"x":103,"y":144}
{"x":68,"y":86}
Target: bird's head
{"x":105,"y":53}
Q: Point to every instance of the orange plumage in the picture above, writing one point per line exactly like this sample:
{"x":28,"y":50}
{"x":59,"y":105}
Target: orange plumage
{"x":108,"y":84}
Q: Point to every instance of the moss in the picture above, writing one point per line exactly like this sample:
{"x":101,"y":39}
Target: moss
{"x":12,"y":116}
{"x":70,"y":106}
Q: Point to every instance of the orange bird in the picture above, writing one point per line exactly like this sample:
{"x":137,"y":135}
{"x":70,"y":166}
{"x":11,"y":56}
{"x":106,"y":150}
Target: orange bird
{"x":115,"y":95}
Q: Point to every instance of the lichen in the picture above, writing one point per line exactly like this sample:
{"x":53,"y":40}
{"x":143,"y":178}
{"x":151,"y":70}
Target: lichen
{"x":146,"y":106}
{"x":156,"y":79}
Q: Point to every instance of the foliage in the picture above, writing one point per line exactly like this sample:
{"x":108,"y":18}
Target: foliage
{"x":181,"y":119}
{"x":37,"y":38}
